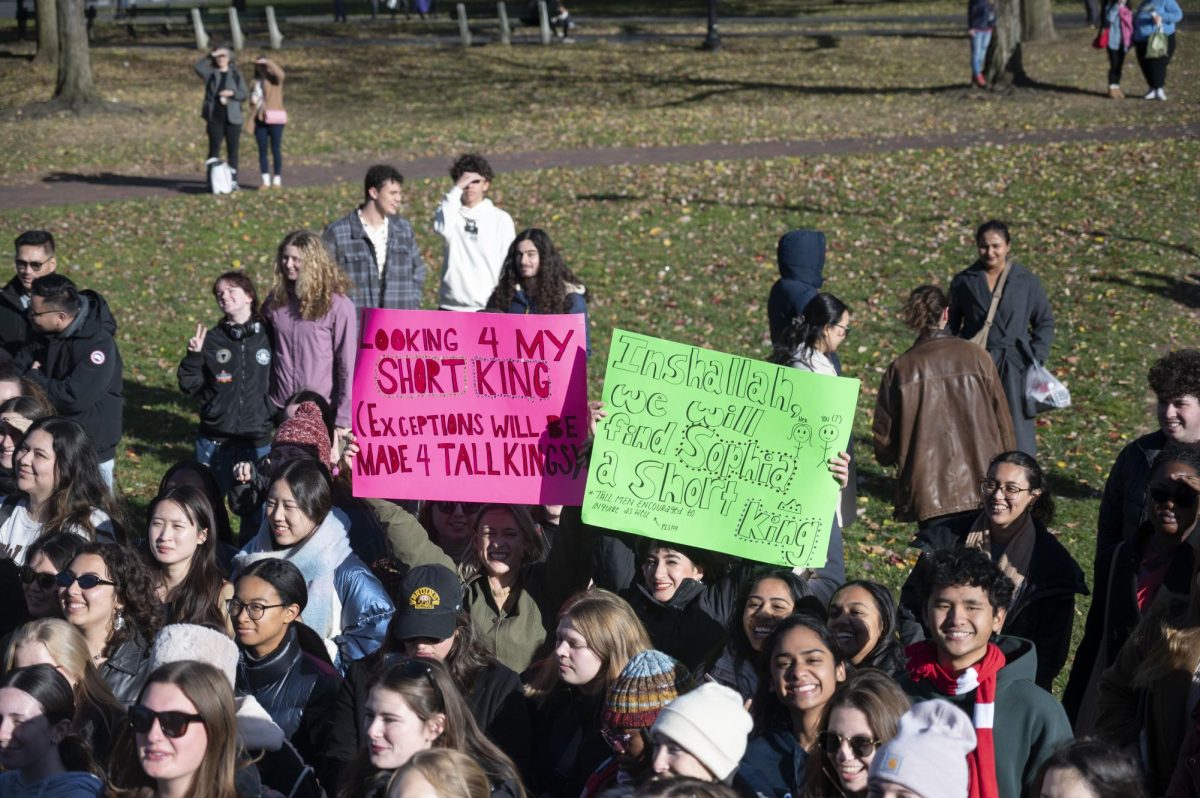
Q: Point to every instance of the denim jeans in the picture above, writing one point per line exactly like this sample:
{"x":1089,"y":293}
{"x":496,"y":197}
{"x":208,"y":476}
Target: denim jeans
{"x":980,"y":39}
{"x":274,"y":133}
{"x":221,"y":457}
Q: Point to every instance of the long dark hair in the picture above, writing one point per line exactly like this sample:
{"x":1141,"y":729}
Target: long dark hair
{"x":44,"y":684}
{"x":197,"y":598}
{"x":78,"y":487}
{"x":769,"y":713}
{"x":428,"y":689}
{"x":468,"y":656}
{"x":888,"y":653}
{"x":135,"y":584}
{"x":1043,"y":506}
{"x":555,"y":280}
{"x":1108,"y":772}
{"x":212,"y":491}
{"x":310,"y":485}
{"x":739,"y":646}
{"x":801,"y":336}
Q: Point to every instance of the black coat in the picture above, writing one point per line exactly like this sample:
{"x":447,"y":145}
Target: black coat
{"x":496,"y":700}
{"x":1044,"y":612}
{"x":14,"y":326}
{"x":81,"y":372}
{"x":1114,"y":613}
{"x":1021,"y":333}
{"x":298,"y":691}
{"x":127,"y":669}
{"x":568,"y":746}
{"x":232,"y":376}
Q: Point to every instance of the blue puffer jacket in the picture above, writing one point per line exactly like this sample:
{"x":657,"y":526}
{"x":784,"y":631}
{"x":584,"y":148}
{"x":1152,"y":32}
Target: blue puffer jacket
{"x":774,"y":765}
{"x":522,"y":303}
{"x":1143,"y":24}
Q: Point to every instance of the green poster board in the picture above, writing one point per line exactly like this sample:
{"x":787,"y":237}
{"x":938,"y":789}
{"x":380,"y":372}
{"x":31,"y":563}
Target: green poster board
{"x":717,"y":451}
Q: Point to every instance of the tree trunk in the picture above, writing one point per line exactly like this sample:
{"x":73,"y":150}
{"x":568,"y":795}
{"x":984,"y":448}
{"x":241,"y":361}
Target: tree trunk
{"x":74,"y":88}
{"x":1004,"y":67}
{"x":47,"y":31}
{"x":1037,"y":21}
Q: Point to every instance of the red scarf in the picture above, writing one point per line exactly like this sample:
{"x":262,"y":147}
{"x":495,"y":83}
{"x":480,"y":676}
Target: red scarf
{"x":980,"y":677}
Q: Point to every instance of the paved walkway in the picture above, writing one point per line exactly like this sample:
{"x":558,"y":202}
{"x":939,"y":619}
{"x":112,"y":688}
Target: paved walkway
{"x":61,"y":188}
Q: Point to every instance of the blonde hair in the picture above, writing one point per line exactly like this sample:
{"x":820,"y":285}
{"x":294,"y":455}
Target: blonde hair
{"x":69,"y":650}
{"x":319,"y":280}
{"x":452,"y":774}
{"x":210,"y":692}
{"x":1169,"y":635}
{"x":612,"y":631}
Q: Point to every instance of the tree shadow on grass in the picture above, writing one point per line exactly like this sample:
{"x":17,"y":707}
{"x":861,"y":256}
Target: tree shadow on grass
{"x":1184,"y":248}
{"x":715,"y":87}
{"x":1185,"y":292}
{"x":176,"y":184}
{"x":794,"y":207}
{"x":1067,"y":488}
{"x":163,"y":423}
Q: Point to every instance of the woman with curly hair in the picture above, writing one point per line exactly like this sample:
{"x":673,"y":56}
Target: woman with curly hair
{"x":59,"y":488}
{"x":535,"y":279}
{"x":182,"y":543}
{"x":109,"y":595}
{"x":314,"y":325}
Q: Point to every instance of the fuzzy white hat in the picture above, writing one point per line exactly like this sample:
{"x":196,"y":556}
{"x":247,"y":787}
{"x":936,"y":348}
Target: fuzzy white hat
{"x":711,"y":724}
{"x":189,"y":641}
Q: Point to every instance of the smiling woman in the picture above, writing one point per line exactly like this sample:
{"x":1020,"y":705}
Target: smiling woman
{"x":182,"y":542}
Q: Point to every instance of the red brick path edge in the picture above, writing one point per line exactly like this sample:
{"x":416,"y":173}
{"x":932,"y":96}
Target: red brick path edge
{"x":62,"y":188}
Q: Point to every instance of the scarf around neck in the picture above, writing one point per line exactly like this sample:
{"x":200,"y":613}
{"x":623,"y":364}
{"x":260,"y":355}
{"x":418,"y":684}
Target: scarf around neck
{"x":980,"y":677}
{"x":1017,"y":555}
{"x":317,"y":557}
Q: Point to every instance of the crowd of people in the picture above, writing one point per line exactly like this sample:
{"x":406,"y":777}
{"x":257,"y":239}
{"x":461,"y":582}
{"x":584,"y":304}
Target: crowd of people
{"x":351,"y":647}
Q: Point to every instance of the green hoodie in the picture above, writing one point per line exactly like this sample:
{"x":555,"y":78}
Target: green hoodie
{"x":1030,"y":723}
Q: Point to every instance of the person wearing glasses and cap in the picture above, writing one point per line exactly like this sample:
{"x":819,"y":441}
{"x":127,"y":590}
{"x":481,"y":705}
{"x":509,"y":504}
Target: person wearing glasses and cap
{"x":34,"y":258}
{"x":430,"y":623}
{"x":1012,"y":531}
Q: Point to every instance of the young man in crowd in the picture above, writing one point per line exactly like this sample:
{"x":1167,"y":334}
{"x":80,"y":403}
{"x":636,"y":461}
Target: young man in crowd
{"x":376,"y":247}
{"x":477,"y":234}
{"x":34,"y":258}
{"x":72,"y":354}
{"x":1017,"y":724}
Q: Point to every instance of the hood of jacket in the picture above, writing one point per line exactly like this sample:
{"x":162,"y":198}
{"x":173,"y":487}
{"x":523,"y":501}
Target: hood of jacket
{"x":94,"y":315}
{"x":801,"y":255}
{"x":1020,"y":662}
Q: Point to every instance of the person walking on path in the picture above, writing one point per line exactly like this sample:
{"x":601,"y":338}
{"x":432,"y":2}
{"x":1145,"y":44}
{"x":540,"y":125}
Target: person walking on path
{"x":1120,"y":37}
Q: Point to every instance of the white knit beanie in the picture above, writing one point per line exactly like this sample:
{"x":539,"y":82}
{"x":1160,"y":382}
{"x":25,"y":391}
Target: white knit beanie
{"x":711,"y":724}
{"x":188,"y":641}
{"x":928,"y":755}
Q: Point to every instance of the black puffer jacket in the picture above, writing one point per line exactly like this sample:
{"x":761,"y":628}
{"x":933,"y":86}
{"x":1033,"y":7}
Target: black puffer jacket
{"x":297,"y":690}
{"x":14,"y":327}
{"x":232,"y":375}
{"x":81,"y":372}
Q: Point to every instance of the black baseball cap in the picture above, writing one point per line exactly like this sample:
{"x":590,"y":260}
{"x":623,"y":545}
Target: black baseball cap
{"x":430,"y":598}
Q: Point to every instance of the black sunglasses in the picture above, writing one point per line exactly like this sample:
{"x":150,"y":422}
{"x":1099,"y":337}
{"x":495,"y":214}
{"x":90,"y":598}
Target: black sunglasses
{"x":862,"y":747}
{"x":619,"y":741}
{"x":173,"y":724}
{"x":44,"y":581}
{"x":468,"y":508}
{"x":1181,"y":496}
{"x":86,"y":582}
{"x":414,"y":668}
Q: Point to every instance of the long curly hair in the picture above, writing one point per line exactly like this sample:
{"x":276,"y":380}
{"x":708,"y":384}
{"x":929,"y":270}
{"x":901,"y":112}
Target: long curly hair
{"x":197,"y":598}
{"x":554,"y":284}
{"x":135,"y":585}
{"x":800,"y":337}
{"x":78,"y":487}
{"x":320,"y":278}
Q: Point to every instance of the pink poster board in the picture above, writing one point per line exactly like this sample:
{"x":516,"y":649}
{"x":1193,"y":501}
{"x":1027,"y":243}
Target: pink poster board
{"x":480,"y":407}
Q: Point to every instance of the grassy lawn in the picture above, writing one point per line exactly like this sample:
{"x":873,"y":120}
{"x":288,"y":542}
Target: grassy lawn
{"x":682,"y":251}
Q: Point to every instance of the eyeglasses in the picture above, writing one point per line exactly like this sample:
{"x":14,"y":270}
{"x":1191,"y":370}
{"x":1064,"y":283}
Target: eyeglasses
{"x":30,"y":313}
{"x":414,"y":668}
{"x":1181,"y":496}
{"x":861,"y":746}
{"x":468,"y":508}
{"x":619,"y":742}
{"x":173,"y":724}
{"x":845,"y":328}
{"x":989,"y":486}
{"x":44,"y":581}
{"x":31,"y":265}
{"x":86,"y":582}
{"x":253,"y":609}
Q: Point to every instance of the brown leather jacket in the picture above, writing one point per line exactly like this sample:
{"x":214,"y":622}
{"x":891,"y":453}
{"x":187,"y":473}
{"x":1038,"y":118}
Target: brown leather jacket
{"x":940,"y":417}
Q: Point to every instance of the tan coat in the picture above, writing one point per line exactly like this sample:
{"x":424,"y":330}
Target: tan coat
{"x":940,"y":417}
{"x":272,"y":87}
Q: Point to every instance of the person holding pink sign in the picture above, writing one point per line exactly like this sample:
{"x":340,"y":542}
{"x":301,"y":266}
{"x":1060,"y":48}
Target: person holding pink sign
{"x":536,"y":279}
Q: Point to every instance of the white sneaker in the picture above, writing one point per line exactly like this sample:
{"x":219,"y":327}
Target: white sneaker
{"x":1160,"y":94}
{"x":266,"y":178}
{"x":1151,"y":95}
{"x":277,"y":182}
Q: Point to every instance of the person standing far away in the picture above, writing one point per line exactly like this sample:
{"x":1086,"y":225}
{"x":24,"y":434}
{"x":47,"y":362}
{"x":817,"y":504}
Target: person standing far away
{"x":33,"y":258}
{"x":224,"y":92}
{"x":376,"y":248}
{"x":477,"y":234}
{"x":72,"y":355}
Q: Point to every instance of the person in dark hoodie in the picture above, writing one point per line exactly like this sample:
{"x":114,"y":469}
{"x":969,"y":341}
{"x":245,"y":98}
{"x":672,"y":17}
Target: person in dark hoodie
{"x":801,"y":255}
{"x":34,"y":258}
{"x":1018,"y":725}
{"x":72,"y":355}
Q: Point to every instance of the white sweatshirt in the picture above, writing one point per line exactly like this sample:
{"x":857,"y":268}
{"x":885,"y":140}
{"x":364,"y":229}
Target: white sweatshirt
{"x":477,"y":240}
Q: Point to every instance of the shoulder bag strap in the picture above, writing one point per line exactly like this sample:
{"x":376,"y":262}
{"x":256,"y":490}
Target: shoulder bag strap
{"x":982,"y":336}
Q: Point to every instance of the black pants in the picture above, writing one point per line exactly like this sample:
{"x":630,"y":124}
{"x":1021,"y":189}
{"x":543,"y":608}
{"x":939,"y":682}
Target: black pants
{"x":219,"y":128}
{"x":1116,"y":60}
{"x":1155,"y":69}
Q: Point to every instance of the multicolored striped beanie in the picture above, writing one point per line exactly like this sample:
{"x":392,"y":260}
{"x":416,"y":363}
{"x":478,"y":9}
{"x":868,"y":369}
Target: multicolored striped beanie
{"x":649,"y":681}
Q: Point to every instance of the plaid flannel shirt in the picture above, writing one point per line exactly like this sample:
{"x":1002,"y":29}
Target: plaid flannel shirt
{"x":404,"y":272}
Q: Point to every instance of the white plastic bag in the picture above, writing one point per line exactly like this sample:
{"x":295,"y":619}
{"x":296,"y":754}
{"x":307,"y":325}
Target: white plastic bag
{"x":220,"y":176}
{"x":1043,"y":391}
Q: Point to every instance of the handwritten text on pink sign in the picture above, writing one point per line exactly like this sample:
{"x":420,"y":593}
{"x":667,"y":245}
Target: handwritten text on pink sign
{"x":470,"y":406}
